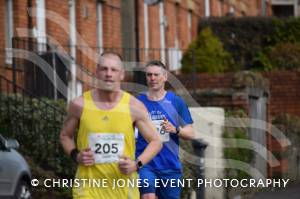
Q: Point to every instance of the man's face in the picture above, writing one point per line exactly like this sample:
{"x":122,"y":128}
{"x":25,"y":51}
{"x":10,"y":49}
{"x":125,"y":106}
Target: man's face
{"x":110,"y":73}
{"x":156,"y":77}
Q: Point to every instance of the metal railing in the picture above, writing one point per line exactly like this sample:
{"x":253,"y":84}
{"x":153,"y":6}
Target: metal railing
{"x":40,"y":72}
{"x":43,"y":65}
{"x":35,"y":123}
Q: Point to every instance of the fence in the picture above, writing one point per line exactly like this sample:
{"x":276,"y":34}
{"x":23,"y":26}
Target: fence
{"x":35,"y":73}
{"x":35,"y":122}
{"x":45,"y":69}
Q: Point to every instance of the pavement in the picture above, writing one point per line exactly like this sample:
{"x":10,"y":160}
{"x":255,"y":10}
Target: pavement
{"x":291,"y":192}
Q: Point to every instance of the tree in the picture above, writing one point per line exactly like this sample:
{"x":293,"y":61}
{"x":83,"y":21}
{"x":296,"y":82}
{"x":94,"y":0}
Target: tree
{"x":207,"y":54}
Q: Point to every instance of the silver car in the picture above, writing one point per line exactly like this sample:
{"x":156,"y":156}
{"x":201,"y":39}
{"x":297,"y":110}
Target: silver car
{"x":15,"y":174}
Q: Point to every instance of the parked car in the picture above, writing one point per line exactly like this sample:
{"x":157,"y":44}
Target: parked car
{"x":15,"y":174}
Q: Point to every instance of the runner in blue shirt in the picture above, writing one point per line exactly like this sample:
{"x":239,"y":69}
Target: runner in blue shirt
{"x":172,"y":119}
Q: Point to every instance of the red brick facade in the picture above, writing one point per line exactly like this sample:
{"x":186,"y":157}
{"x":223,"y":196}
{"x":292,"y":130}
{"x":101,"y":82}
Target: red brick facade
{"x":181,"y":22}
{"x":284,"y":87}
{"x":239,"y":8}
{"x":284,"y":98}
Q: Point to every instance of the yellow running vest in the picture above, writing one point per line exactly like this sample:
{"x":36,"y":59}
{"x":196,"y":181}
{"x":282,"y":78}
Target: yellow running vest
{"x":109,"y":133}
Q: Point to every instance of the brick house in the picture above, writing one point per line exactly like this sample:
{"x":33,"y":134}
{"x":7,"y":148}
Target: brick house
{"x":81,"y":28}
{"x":218,"y":8}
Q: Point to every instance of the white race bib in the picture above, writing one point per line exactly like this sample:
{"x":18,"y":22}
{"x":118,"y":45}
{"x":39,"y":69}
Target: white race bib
{"x":165,"y":136}
{"x":107,"y":147}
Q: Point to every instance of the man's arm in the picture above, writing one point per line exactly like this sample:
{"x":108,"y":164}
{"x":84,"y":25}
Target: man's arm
{"x":69,"y":126}
{"x":186,"y":132}
{"x":147,"y":130}
{"x":71,"y":123}
{"x":185,"y":129}
{"x":142,"y":121}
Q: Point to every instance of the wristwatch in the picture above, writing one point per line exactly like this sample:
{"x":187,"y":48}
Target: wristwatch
{"x":74,"y":154}
{"x":139,"y":164}
{"x":177,"y":130}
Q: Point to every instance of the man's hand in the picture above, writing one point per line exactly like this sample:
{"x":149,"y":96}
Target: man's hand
{"x":126,"y":165}
{"x":86,"y":157}
{"x":168,"y":126}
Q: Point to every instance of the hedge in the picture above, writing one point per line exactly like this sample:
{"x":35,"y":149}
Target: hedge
{"x":250,"y":39}
{"x":36,"y":123}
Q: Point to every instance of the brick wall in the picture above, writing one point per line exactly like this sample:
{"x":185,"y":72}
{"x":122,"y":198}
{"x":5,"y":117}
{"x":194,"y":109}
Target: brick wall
{"x":176,"y":15}
{"x":57,"y":22}
{"x":86,"y":16}
{"x":284,"y":98}
{"x":241,"y":7}
{"x":20,"y":20}
{"x":57,"y":28}
{"x":208,"y":81}
{"x":284,"y":87}
{"x":112,"y":24}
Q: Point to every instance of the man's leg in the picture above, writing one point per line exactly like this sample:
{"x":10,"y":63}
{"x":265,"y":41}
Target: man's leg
{"x":147,"y":188}
{"x":168,"y":192}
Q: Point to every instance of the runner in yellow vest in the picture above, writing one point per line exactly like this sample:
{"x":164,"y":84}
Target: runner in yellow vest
{"x":105,"y":150}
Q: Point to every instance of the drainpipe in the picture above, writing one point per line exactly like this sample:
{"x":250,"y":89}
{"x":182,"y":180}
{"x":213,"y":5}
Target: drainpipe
{"x":207,"y":8}
{"x":296,"y":3}
{"x":72,"y":15}
{"x":10,"y":45}
{"x":100,"y":26}
{"x":137,"y":42}
{"x":162,"y":32}
{"x":139,"y":76}
{"x":263,"y":8}
{"x":41,"y":25}
{"x":146,"y":31}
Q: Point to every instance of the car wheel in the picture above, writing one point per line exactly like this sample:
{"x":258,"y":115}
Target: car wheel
{"x":23,"y":191}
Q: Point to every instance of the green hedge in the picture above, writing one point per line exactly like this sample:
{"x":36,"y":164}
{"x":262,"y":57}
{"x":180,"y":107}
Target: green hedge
{"x":207,"y":54}
{"x":233,"y":152}
{"x":251,"y":39}
{"x":36,"y":124}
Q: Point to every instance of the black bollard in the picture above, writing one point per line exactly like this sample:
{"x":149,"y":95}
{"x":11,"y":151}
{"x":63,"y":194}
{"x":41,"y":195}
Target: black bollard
{"x":199,"y":147}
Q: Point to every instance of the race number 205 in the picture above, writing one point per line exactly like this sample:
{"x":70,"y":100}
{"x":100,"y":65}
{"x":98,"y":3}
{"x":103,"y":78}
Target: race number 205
{"x":107,"y":147}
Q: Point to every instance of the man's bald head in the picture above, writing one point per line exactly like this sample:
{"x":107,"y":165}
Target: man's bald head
{"x":113,"y":56}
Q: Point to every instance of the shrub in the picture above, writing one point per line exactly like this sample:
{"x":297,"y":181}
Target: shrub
{"x":242,"y":37}
{"x":289,"y":125}
{"x":207,"y":54}
{"x":252,"y":40}
{"x":189,"y":169}
{"x":36,"y":123}
{"x":233,"y":151}
{"x":285,"y":56}
{"x":282,"y":56}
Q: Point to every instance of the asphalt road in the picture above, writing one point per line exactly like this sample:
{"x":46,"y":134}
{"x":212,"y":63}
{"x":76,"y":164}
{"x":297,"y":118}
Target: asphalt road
{"x":292,"y":192}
